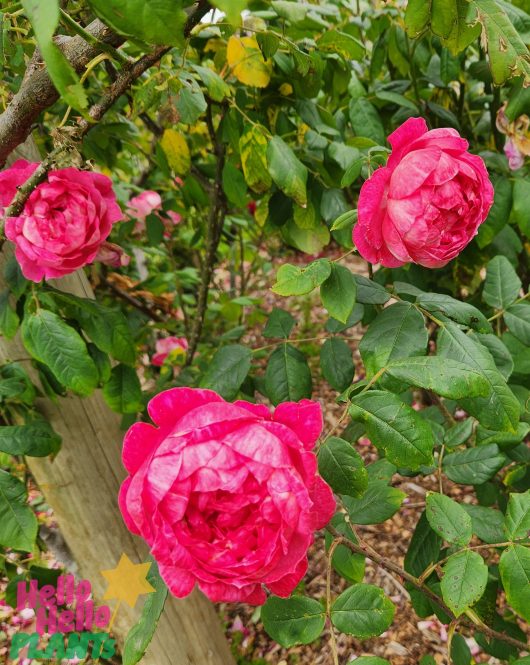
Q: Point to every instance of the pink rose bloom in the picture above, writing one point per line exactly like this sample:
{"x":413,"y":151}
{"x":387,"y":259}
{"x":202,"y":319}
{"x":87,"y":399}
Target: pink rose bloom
{"x":174,"y":217}
{"x":64,"y":222}
{"x":165,"y":346}
{"x":515,"y":158}
{"x":226,"y":495}
{"x":144,"y":204}
{"x":427,"y":203}
{"x":112,"y":255}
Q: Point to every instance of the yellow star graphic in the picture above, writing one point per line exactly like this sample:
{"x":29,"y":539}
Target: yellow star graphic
{"x":127,"y":581}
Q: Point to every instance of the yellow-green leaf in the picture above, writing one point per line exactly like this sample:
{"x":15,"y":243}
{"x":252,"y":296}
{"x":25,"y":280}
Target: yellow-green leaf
{"x":247,"y":62}
{"x":176,"y":149}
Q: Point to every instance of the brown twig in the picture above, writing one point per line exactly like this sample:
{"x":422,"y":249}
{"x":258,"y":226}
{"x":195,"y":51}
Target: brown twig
{"x":394,"y":568}
{"x":213,"y":236}
{"x":137,"y":304}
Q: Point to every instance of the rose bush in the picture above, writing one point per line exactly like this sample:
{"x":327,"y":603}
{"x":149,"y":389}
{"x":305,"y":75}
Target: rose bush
{"x":226,"y":495}
{"x":64,"y":223}
{"x":238,"y":158}
{"x":427,"y":203}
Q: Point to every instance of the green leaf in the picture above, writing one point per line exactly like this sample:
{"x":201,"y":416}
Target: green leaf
{"x":287,"y":377}
{"x":36,"y":439}
{"x":446,"y":377}
{"x":347,"y":564}
{"x":123,"y":392}
{"x":107,"y":327}
{"x":446,"y":308}
{"x":141,"y":634}
{"x":268,"y":43}
{"x":311,"y":241}
{"x":366,"y":121}
{"x":464,"y":30}
{"x":155,"y":22}
{"x":517,"y":519}
{"x":499,"y":352}
{"x":377,"y":504}
{"x":473,"y":466}
{"x":44,"y":17}
{"x":443,"y":16}
{"x":458,"y":433}
{"x":499,"y":213}
{"x":521,"y":192}
{"x":109,"y":330}
{"x":295,"y":281}
{"x":54,"y":343}
{"x":190,"y":103}
{"x":336,"y":41}
{"x":287,"y":171}
{"x":505,"y":440}
{"x":234,"y":185}
{"x":338,"y":293}
{"x":370,"y":660}
{"x":486,"y":522}
{"x":334,"y":326}
{"x":294,"y":12}
{"x":500,"y":410}
{"x":514,"y":568}
{"x":508,"y":53}
{"x":279,"y":324}
{"x":232,"y":9}
{"x":342,"y":467}
{"x":397,"y":332}
{"x":449,"y":519}
{"x":394,"y":427}
{"x":217,"y":87}
{"x":253,"y":151}
{"x":517,"y":318}
{"x":227,"y":370}
{"x":18,"y":524}
{"x":424,"y":548}
{"x":464,"y":580}
{"x":502,"y":285}
{"x":362,"y":610}
{"x":8,"y":317}
{"x":347,"y":219}
{"x":336,"y":362}
{"x":370,"y":292}
{"x":417,"y":16}
{"x":291,"y":621}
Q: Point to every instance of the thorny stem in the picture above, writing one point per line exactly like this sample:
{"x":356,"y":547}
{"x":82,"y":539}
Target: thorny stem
{"x":428,"y":571}
{"x":394,"y":568}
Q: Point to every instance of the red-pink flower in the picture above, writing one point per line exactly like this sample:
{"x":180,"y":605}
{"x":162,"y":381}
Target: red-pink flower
{"x":226,"y":495}
{"x":64,"y":222}
{"x":112,"y":255}
{"x":166,"y":346}
{"x":144,"y":204}
{"x":427,"y":203}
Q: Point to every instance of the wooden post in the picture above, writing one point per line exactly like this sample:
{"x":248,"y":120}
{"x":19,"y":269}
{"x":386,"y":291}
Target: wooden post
{"x":82,"y":484}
